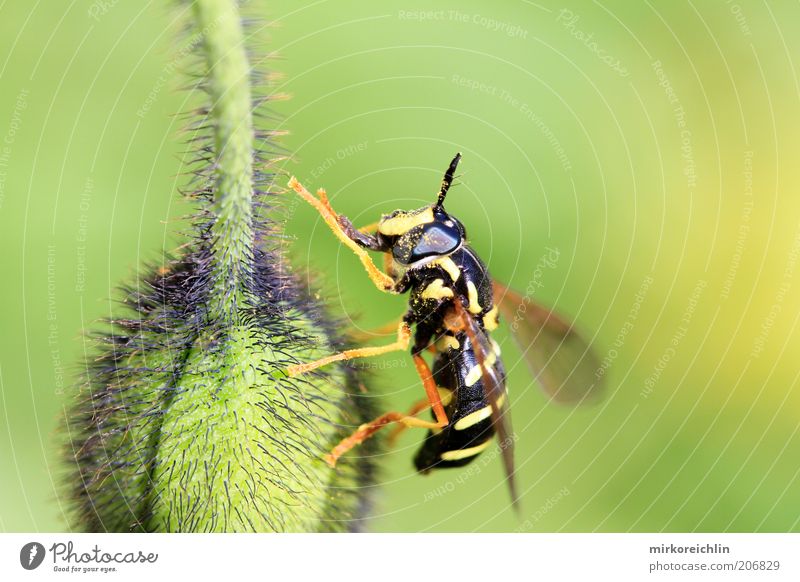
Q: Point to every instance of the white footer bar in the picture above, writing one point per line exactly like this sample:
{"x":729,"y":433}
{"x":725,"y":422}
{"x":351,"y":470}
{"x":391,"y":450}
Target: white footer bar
{"x":407,"y":557}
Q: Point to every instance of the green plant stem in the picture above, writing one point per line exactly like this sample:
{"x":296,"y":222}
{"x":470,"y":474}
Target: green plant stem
{"x":229,"y":91}
{"x":190,"y":422}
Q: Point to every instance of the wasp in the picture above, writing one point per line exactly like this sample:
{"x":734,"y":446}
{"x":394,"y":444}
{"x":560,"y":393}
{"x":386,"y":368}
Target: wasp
{"x":454,"y":306}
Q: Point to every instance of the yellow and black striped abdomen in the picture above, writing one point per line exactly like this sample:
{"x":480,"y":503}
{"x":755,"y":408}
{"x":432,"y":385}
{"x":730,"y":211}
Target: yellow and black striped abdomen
{"x":470,"y":431}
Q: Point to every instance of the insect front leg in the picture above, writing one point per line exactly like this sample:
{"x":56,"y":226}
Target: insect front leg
{"x":361,"y":236}
{"x":320,"y":202}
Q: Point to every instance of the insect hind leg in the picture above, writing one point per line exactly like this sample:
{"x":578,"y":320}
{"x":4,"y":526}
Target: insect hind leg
{"x":418,"y":407}
{"x":365,"y":431}
{"x":368,"y":429}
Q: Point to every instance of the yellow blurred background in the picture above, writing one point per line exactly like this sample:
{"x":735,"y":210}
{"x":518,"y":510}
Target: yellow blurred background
{"x":653,"y":145}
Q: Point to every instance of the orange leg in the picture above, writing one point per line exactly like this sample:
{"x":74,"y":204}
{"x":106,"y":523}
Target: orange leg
{"x":362,"y":336}
{"x":367,"y":430}
{"x":405,"y":420}
{"x":420,"y":406}
{"x":320,"y":203}
{"x":403,"y":337}
{"x":369,"y":228}
{"x":388,"y":266}
{"x":430,"y":390}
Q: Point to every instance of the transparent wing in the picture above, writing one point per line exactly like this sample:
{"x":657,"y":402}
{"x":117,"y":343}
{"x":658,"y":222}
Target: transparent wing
{"x":492,"y":385}
{"x":557,"y":356}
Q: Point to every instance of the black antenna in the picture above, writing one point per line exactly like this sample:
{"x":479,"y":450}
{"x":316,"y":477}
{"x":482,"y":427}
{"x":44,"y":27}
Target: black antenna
{"x":448,"y":179}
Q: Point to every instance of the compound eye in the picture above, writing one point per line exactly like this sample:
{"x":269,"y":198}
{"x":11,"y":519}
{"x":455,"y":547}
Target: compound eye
{"x":449,"y":221}
{"x":435,"y":239}
{"x":460,"y":227}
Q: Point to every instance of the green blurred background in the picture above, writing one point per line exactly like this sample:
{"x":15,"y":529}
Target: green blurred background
{"x":654,"y":145}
